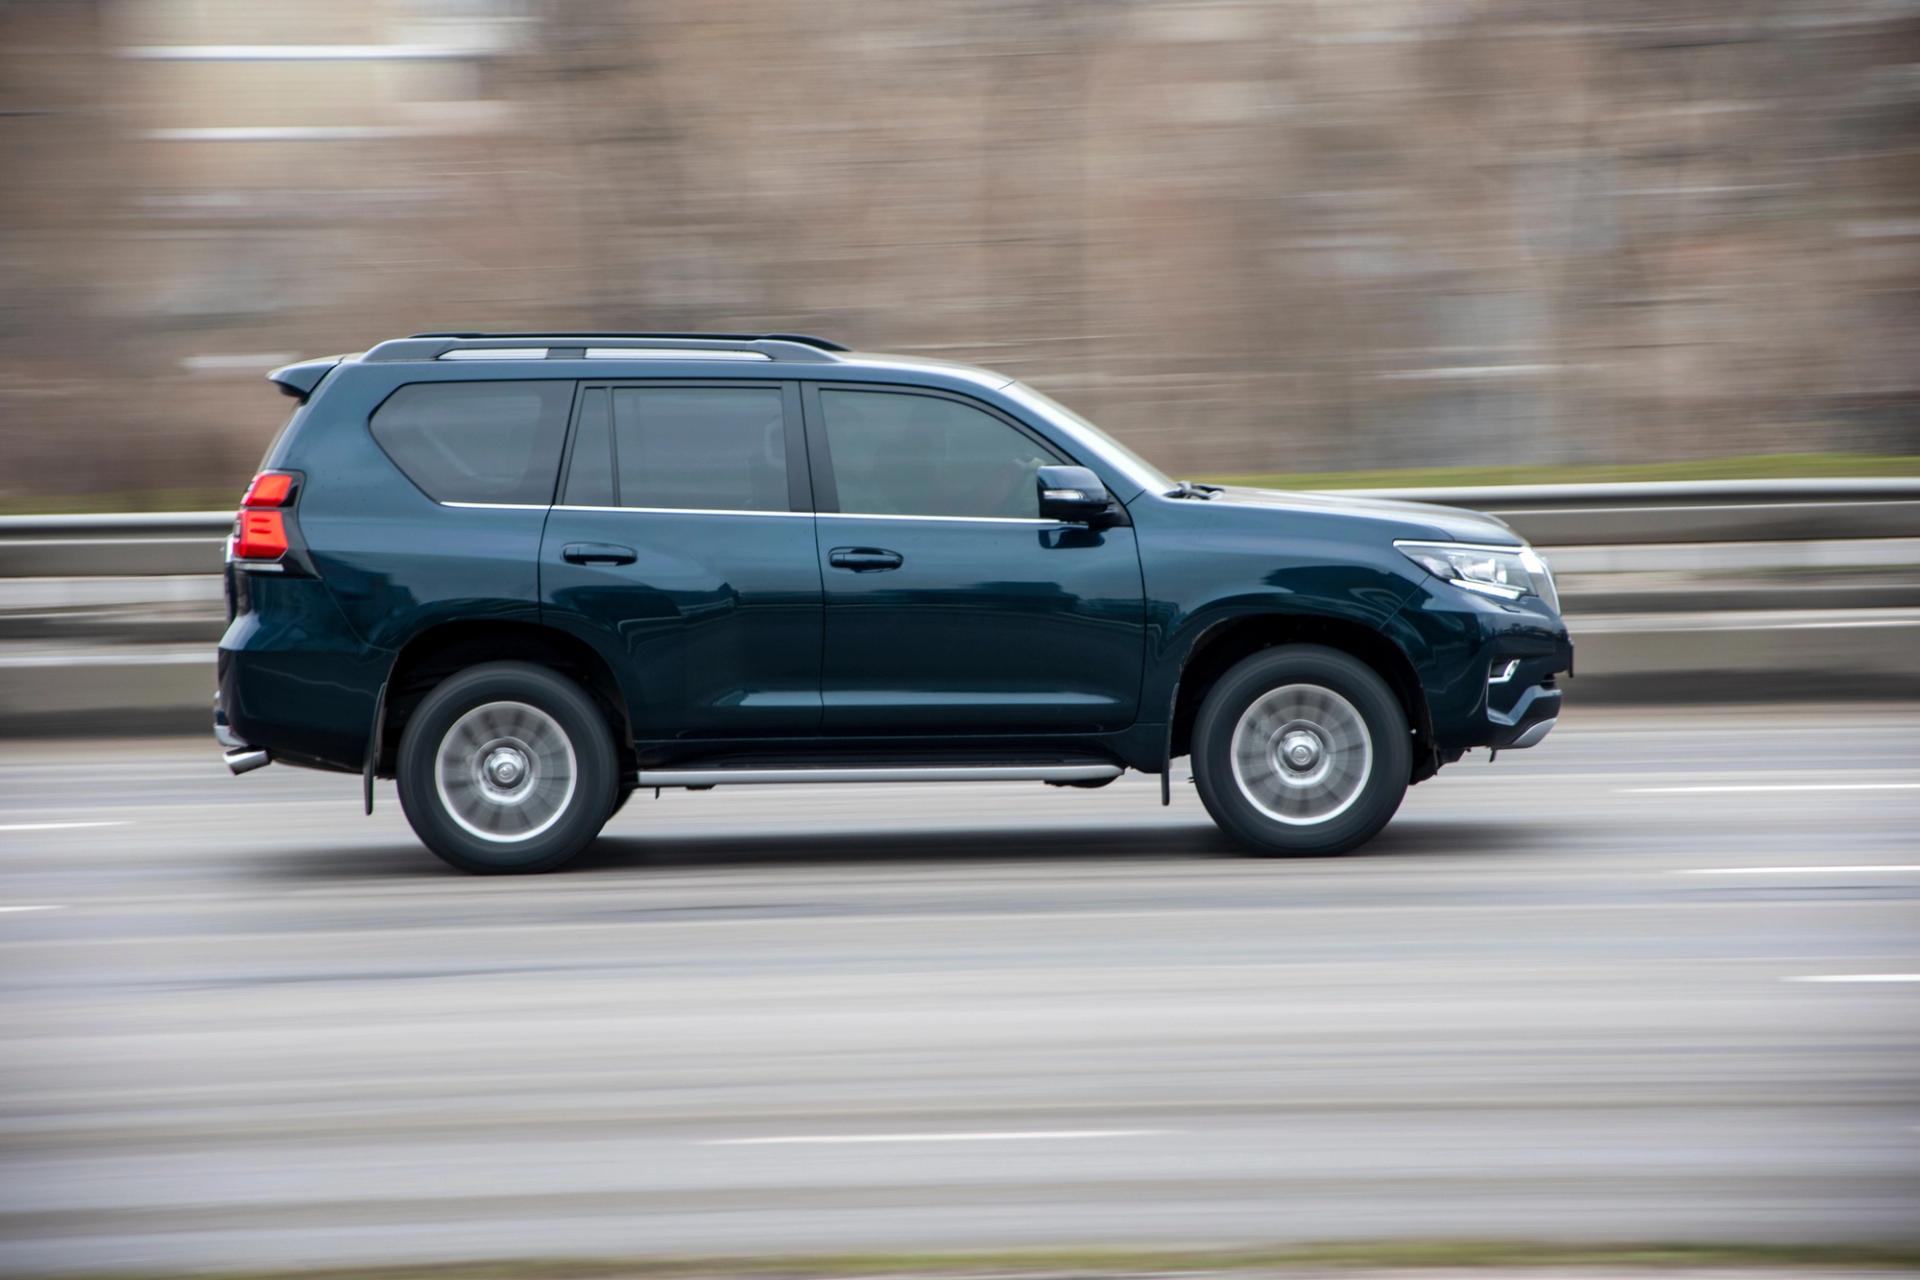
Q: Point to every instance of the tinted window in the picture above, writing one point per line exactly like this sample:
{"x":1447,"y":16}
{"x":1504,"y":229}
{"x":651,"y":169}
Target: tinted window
{"x":706,"y":448}
{"x":900,"y":454}
{"x":477,"y":441}
{"x":590,"y":474}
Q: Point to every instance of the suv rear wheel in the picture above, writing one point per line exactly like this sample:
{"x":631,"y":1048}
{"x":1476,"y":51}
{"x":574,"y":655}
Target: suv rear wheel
{"x":1303,"y":750}
{"x":507,"y":767}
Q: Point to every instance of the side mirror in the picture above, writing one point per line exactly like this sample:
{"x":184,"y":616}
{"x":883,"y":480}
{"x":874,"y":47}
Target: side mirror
{"x":1072,"y":493}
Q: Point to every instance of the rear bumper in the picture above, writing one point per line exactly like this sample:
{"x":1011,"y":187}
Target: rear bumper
{"x":240,"y":756}
{"x":305,"y":705}
{"x":222,"y":731}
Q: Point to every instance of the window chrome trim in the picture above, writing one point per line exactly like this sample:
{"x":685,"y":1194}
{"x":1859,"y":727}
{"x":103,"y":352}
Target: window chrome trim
{"x":494,"y":353}
{"x":862,"y":515}
{"x":734,"y":511}
{"x":497,"y":506}
{"x":681,"y":511}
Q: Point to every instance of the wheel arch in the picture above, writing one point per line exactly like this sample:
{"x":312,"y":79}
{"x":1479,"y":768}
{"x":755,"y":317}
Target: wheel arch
{"x":449,"y":647}
{"x":1226,"y":642}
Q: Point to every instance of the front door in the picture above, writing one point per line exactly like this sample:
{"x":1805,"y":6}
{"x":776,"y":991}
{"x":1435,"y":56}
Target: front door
{"x":682,"y":547}
{"x":951,"y":607}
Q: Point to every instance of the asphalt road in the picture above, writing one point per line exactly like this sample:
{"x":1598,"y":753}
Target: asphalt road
{"x":1645,"y":982}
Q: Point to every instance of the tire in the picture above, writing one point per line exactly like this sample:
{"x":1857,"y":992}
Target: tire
{"x":1301,"y":749}
{"x":507,"y":768}
{"x":620,"y":798}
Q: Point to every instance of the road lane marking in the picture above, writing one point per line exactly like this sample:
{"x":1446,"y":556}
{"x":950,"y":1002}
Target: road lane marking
{"x":1856,"y":869}
{"x":847,"y":1139}
{"x":55,"y":826}
{"x":54,"y":907}
{"x":1782,"y":788}
{"x":1859,"y":977}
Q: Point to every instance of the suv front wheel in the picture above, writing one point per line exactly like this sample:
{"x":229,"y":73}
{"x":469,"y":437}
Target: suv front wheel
{"x":507,"y":767}
{"x":1301,"y":749}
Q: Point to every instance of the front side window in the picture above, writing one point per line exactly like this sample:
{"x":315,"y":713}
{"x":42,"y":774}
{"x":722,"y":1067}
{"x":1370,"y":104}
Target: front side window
{"x":685,"y":448}
{"x":477,"y":441}
{"x":895,"y":453}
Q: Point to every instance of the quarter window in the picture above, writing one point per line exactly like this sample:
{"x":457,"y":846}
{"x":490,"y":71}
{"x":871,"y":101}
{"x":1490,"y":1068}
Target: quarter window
{"x":900,"y":454}
{"x":477,"y":441}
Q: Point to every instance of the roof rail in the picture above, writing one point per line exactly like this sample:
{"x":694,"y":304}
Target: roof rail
{"x":804,"y":339}
{"x":575,"y":344}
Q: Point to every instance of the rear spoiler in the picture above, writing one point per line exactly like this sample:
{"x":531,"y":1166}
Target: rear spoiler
{"x":299,"y":380}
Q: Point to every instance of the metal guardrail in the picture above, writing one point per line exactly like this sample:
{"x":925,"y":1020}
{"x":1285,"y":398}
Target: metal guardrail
{"x":1658,"y":492}
{"x":1682,"y":591}
{"x":1558,"y":515}
{"x":1552,"y":515}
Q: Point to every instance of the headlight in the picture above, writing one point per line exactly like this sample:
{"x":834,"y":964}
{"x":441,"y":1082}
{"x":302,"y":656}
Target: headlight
{"x":1505,"y":573}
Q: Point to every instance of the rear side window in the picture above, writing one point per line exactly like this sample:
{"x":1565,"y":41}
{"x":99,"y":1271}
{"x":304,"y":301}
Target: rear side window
{"x":687,"y":448}
{"x":477,"y":441}
{"x":590,"y":474}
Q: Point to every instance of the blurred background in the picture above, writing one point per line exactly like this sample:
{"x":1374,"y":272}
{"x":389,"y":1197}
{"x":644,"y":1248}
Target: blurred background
{"x":1293,"y":236}
{"x":1642,"y":276}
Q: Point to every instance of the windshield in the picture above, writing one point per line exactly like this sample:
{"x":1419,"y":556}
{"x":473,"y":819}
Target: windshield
{"x":1137,"y":468}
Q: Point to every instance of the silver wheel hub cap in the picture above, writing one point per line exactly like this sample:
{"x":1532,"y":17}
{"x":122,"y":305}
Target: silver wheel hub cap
{"x":506,"y":767}
{"x":1300,"y":750}
{"x":1301,"y":754}
{"x":505,"y":772}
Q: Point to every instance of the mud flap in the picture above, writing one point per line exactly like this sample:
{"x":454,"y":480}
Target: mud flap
{"x":373,"y":747}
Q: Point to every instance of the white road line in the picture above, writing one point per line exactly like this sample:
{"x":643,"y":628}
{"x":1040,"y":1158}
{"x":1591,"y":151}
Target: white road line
{"x":1782,"y":788}
{"x":48,"y":908}
{"x":55,"y":826}
{"x":1857,"y":869}
{"x":1859,"y":977}
{"x":847,"y":1139}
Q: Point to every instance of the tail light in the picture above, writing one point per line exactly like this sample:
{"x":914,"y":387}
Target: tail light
{"x":269,"y":489}
{"x":260,"y":533}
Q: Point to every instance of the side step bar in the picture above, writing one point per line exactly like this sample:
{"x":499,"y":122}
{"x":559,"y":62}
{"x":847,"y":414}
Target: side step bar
{"x":902,"y":773}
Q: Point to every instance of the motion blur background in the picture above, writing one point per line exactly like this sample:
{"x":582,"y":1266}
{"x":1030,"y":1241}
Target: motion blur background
{"x":1288,"y":236}
{"x":1653,"y":980}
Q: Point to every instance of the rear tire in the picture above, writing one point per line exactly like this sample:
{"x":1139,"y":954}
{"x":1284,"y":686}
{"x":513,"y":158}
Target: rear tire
{"x":507,"y":768}
{"x":1301,"y":749}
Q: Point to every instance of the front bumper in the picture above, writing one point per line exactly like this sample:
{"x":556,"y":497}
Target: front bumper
{"x":1489,"y":668}
{"x":1530,"y":719}
{"x":1523,"y":691}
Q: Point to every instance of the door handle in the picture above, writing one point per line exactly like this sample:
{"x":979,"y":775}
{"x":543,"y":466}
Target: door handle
{"x":596,"y":553}
{"x":864,"y":559}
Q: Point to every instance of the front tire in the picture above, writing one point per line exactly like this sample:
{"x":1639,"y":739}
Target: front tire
{"x":505,"y":768}
{"x":1301,"y":749}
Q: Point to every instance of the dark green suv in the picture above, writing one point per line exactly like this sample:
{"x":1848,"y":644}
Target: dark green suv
{"x":525,"y":574}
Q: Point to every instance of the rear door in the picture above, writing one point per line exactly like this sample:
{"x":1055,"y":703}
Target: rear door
{"x":951,"y":607}
{"x":682,"y":547}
